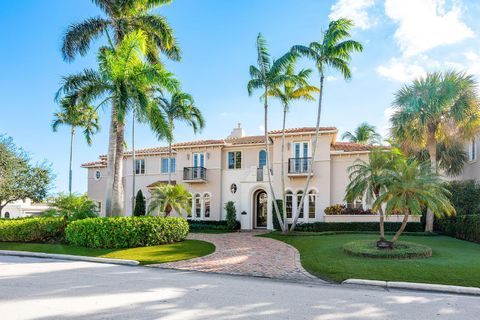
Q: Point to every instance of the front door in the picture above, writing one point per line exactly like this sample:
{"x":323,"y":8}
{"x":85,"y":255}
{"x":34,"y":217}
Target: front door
{"x":261,"y":208}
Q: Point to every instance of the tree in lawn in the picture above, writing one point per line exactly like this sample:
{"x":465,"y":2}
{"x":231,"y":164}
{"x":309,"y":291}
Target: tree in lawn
{"x":366,"y":179}
{"x":364,"y":134}
{"x":166,"y":198}
{"x":121,"y":18}
{"x":438,"y":108}
{"x":409,"y":187}
{"x":231,"y":215}
{"x":267,"y":76}
{"x":451,"y":157}
{"x":84,"y":117}
{"x":297,"y":88}
{"x":180,"y":107}
{"x":139,"y":204}
{"x":19,"y":179}
{"x":332,"y":51}
{"x":125,"y":80}
{"x":71,"y":207}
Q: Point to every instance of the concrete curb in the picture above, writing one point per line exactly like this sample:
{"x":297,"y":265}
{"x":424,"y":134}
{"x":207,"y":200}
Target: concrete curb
{"x":67,"y":257}
{"x":415,"y":286}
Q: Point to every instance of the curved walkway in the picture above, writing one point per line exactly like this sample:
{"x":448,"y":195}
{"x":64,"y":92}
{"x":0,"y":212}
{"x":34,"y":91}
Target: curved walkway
{"x":243,"y":253}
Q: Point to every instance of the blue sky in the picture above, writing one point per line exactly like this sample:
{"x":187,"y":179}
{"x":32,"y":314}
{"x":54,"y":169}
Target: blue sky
{"x":403,"y":39}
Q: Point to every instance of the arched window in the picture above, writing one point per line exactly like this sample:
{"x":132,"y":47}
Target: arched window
{"x":300,"y":210}
{"x":312,"y":200}
{"x":289,"y":203}
{"x":7,"y":215}
{"x":198,"y":206}
{"x":206,"y":205}
{"x":262,"y":158}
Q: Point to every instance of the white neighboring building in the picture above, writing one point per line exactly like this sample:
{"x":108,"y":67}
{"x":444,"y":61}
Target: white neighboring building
{"x":23,"y":208}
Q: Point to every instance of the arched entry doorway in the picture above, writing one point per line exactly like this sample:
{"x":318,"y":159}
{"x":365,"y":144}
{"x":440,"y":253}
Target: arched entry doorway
{"x":260,"y":209}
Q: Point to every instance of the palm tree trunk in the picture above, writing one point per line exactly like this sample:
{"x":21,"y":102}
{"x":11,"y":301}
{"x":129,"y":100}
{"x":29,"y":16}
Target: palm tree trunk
{"x":133,"y":162}
{"x":432,"y":151}
{"x":111,"y":161}
{"x":284,"y":200}
{"x":402,"y":227}
{"x":170,"y":152}
{"x":314,"y":152}
{"x":72,"y":136}
{"x":275,"y":204}
{"x":117,"y":198}
{"x":382,"y":225}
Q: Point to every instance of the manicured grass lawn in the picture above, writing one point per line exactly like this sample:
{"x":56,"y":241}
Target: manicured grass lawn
{"x":187,"y":249}
{"x":454,"y":261}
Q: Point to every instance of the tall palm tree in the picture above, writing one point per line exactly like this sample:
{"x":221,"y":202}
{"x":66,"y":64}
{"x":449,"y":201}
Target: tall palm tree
{"x":267,"y":76}
{"x":84,"y":117}
{"x":120,"y":18}
{"x":292,"y":90}
{"x":409,"y":187}
{"x":438,"y":108}
{"x":366,"y":179}
{"x":180,"y":107}
{"x":364,"y":134}
{"x":125,"y":80}
{"x":333,"y":50}
{"x":451,"y":157}
{"x":168,"y":197}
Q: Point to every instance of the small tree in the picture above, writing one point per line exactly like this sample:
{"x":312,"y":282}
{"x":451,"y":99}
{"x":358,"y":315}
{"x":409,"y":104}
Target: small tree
{"x":170,"y":197}
{"x":231,"y":215}
{"x":139,"y":209}
{"x":72,"y":207}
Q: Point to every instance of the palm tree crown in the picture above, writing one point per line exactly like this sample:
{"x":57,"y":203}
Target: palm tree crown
{"x":363,"y":134}
{"x":166,"y":198}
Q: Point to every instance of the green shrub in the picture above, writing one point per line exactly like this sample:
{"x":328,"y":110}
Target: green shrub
{"x":31,"y":229}
{"x":276,"y":224}
{"x":140,"y":207}
{"x":465,"y":227}
{"x":465,"y":196}
{"x":334,"y":209}
{"x":126,"y":232}
{"x":206,"y":225}
{"x":356,"y":226}
{"x":71,"y":207}
{"x":231,"y":215}
{"x":403,"y":250}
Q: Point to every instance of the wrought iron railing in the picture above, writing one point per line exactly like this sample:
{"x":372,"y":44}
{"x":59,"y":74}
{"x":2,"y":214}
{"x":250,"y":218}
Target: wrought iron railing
{"x":194,"y":173}
{"x":299,"y":165}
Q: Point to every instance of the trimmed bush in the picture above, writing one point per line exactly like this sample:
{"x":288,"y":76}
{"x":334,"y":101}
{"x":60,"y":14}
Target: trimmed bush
{"x":140,"y":206}
{"x":231,"y":215}
{"x":403,"y":250}
{"x":276,"y":224}
{"x":465,"y":196}
{"x":206,"y":225}
{"x":356,"y":226}
{"x":465,"y":227}
{"x":31,"y":229}
{"x":126,"y":232}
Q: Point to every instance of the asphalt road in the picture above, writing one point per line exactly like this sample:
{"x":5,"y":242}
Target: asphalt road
{"x":32,"y":288}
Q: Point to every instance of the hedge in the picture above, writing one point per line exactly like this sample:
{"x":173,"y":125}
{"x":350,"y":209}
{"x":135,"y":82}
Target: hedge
{"x":465,"y":227}
{"x":200,"y":225}
{"x":356,"y":226}
{"x":31,"y":229}
{"x":126,"y":232}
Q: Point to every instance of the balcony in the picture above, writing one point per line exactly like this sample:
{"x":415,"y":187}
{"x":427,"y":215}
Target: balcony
{"x":194,"y":174}
{"x":299,"y":166}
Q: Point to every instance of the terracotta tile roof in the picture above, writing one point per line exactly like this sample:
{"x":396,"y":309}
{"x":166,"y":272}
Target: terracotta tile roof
{"x":147,"y":151}
{"x":303,"y":130}
{"x":96,"y":164}
{"x":198,"y":143}
{"x":351,"y":147}
{"x":246,"y":140}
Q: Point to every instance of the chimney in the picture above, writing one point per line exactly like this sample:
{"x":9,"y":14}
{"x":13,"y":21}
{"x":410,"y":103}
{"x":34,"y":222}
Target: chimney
{"x":237,"y":132}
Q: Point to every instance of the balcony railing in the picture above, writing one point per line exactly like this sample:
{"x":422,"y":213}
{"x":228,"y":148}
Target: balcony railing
{"x":194,"y":174}
{"x":299,"y":165}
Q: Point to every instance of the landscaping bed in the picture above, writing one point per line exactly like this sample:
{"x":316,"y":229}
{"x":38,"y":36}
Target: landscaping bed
{"x":453,"y":261}
{"x":403,"y":250}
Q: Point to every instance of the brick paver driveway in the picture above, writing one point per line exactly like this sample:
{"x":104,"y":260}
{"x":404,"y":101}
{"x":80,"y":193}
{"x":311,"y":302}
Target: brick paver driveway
{"x":243,"y":253}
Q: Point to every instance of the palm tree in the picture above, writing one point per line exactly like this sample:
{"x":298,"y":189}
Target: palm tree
{"x":126,"y":81}
{"x":166,"y":198}
{"x":295,"y":89}
{"x":451,"y":157}
{"x":84,"y":117}
{"x":181,"y":107}
{"x":366,"y":179}
{"x":438,"y":108}
{"x":410,"y":187}
{"x":121,"y":18}
{"x":333,"y":50}
{"x":364,"y":134}
{"x":267,"y":76}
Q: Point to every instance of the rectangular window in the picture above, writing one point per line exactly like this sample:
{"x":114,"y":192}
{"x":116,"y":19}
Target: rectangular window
{"x":140,"y":166}
{"x":472,"y":150}
{"x":168,"y":165}
{"x":234,"y":160}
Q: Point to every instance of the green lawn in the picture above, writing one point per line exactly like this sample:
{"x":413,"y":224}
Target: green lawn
{"x":453,"y":261}
{"x":187,"y":249}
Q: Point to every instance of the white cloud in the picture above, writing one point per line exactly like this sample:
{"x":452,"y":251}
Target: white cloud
{"x":401,"y":70}
{"x":385,"y":129}
{"x":331,"y":78}
{"x":261,"y":128}
{"x":356,"y":10}
{"x":426,"y":24}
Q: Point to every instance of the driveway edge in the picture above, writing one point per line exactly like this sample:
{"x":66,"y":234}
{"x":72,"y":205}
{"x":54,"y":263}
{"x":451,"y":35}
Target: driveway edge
{"x":68,"y":257}
{"x":473,"y":291}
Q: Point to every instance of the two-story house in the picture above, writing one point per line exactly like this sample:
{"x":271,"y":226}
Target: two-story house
{"x":234,"y":169}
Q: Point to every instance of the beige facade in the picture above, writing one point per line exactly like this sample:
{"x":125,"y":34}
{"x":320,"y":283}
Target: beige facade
{"x":232,"y":169}
{"x":472,"y":168}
